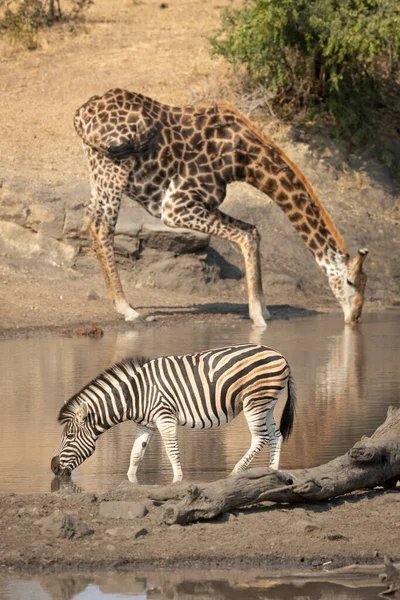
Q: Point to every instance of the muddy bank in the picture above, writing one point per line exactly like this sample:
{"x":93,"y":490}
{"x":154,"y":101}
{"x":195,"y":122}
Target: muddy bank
{"x":124,"y":528}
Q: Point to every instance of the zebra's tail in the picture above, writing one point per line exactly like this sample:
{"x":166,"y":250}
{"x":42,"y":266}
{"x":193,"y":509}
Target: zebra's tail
{"x":289,"y":411}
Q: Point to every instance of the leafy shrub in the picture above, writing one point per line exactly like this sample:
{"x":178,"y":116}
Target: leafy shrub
{"x":332,"y":57}
{"x":20,"y":20}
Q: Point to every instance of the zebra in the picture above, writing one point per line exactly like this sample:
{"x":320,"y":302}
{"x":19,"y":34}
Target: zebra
{"x":202,"y":390}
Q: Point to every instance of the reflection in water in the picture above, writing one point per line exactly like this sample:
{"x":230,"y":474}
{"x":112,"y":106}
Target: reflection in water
{"x":186,"y":585}
{"x":346,"y":378}
{"x":66,"y":484}
{"x":339,"y":385}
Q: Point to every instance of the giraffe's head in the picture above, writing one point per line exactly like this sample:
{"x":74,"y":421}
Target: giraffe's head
{"x":77,"y":443}
{"x":347,"y":280}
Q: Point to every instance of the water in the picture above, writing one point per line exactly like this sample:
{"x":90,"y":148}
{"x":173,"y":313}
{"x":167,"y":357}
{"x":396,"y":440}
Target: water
{"x":346,"y":379}
{"x":187,"y":585}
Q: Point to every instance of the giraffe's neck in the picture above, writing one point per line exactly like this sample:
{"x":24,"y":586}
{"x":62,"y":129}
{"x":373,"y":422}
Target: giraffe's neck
{"x":273,"y":173}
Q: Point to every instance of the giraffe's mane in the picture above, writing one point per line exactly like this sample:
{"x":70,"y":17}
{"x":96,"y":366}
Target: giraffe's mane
{"x":328,"y":220}
{"x":71,"y":406}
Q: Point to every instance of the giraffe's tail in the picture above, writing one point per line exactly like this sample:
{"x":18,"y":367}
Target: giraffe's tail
{"x":289,"y":411}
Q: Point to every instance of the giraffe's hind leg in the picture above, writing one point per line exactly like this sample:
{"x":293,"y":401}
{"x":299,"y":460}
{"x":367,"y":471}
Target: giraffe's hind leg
{"x":185,"y":209}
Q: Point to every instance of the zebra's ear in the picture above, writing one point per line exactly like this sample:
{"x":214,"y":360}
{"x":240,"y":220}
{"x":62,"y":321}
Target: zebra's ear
{"x":82,"y":412}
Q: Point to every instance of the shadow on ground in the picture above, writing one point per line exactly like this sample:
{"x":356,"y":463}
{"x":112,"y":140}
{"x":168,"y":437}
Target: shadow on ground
{"x":279,"y":311}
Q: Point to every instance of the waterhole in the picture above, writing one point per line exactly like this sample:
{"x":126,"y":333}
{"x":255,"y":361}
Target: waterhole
{"x":187,"y":585}
{"x":346,"y":379}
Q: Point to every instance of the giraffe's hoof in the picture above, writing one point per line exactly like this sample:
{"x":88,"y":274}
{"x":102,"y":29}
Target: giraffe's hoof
{"x":259,"y":324}
{"x":132,"y":316}
{"x":267,"y":314}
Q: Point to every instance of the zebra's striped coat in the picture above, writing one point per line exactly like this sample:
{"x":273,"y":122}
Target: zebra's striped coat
{"x":201,"y":390}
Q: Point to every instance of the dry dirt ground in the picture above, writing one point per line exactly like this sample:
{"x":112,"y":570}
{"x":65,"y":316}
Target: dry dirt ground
{"x":125,"y":529}
{"x":163,"y":53}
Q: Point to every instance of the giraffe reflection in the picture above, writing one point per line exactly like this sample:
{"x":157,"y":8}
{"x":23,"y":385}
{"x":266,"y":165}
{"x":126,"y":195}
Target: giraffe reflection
{"x":339,"y":401}
{"x":64,"y":586}
{"x":186,"y":584}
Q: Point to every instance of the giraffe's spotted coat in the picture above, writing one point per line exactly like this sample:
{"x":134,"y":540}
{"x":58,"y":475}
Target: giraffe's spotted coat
{"x":177,"y":161}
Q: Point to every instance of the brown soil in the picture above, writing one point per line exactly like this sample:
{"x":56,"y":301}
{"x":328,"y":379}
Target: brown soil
{"x":164,"y":53}
{"x":356,"y":528}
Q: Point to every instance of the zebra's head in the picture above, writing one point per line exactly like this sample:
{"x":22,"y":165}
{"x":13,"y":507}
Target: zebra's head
{"x":78,"y":440}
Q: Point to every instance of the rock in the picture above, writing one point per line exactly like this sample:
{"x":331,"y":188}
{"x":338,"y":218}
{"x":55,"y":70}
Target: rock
{"x":73,"y":528}
{"x":180,"y":241}
{"x":114,"y":531}
{"x":189,"y":272}
{"x":73,"y":223}
{"x":92,"y":295}
{"x":337,"y":537}
{"x":123,"y":510}
{"x":130,"y":219}
{"x":300,"y":521}
{"x":52,"y":229}
{"x":305,"y":526}
{"x":13,"y":210}
{"x":126,"y":245}
{"x":65,"y":526}
{"x":20,"y":242}
{"x":53,"y":522}
{"x":39,"y":214}
{"x":141,"y":532}
{"x":135,"y":223}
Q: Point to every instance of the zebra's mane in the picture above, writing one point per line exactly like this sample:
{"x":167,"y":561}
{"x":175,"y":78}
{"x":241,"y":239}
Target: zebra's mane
{"x":71,"y":406}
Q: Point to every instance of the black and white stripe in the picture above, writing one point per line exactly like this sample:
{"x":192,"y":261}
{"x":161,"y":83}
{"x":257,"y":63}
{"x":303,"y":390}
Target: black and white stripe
{"x":201,"y":390}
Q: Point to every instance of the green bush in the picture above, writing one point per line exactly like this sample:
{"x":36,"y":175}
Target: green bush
{"x":332,"y":57}
{"x":20,"y":20}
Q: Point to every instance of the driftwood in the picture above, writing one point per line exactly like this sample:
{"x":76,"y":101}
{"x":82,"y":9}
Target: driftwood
{"x":391,"y":578}
{"x":372,"y":462}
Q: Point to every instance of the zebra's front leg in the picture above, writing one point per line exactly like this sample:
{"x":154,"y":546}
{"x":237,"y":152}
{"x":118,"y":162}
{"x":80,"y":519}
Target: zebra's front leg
{"x":167,"y":429}
{"x":142,"y":440}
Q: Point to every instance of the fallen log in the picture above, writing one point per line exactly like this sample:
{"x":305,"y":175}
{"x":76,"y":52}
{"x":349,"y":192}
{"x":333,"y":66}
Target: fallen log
{"x":370,"y":463}
{"x":391,"y":578}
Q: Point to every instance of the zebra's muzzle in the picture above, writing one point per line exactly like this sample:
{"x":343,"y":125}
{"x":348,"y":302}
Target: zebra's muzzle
{"x":55,"y":467}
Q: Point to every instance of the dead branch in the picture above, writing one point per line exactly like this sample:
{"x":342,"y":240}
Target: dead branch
{"x":372,"y":462}
{"x":391,"y":578}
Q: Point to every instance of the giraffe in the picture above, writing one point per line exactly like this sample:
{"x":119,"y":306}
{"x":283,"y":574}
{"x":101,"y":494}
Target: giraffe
{"x":177,"y":161}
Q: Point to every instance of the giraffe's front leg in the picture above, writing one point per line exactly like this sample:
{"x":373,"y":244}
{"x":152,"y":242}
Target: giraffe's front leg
{"x":102,"y":231}
{"x":142,"y":440}
{"x":250,"y":247}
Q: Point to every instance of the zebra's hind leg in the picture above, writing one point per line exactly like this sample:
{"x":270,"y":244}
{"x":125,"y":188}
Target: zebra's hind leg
{"x":257,"y":444}
{"x":259,"y":417}
{"x":143,"y":437}
{"x":167,"y":429}
{"x":274,"y":441}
